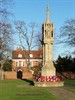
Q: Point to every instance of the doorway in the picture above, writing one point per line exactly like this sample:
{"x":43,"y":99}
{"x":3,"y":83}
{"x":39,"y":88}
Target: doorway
{"x":19,"y":74}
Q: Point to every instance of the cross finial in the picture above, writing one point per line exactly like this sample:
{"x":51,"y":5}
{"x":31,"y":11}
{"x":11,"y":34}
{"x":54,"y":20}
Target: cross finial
{"x":47,"y":14}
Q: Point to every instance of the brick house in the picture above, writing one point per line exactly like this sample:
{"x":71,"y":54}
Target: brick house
{"x":20,"y":59}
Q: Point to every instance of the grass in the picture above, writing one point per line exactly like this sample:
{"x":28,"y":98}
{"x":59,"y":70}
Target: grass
{"x":72,"y":89}
{"x":20,"y":90}
{"x":71,"y":84}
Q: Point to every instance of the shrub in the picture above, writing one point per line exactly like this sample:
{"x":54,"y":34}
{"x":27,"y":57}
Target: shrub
{"x":7,"y":66}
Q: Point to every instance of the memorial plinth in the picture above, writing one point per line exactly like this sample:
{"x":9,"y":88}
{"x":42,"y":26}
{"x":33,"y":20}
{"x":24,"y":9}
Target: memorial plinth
{"x":48,"y":69}
{"x":49,"y":84}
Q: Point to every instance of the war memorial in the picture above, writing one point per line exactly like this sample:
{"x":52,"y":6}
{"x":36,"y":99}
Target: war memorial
{"x":48,"y":76}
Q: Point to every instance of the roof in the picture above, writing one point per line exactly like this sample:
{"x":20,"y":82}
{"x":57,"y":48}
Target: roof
{"x":23,"y":54}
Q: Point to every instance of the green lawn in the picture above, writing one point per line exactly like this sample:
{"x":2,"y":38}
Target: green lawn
{"x":20,"y":90}
{"x":71,"y":84}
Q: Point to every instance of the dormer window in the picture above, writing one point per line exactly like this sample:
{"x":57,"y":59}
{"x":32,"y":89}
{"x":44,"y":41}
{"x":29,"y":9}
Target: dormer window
{"x":31,"y":55}
{"x":19,"y":55}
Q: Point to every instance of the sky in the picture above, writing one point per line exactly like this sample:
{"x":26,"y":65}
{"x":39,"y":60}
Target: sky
{"x":35,"y":11}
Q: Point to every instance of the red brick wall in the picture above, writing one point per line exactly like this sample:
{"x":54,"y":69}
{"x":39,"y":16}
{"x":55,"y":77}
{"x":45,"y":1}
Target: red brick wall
{"x":13,"y":75}
{"x":27,"y":75}
{"x":10,"y":75}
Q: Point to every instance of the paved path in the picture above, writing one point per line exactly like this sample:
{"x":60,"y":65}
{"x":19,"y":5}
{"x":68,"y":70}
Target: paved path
{"x":62,"y":93}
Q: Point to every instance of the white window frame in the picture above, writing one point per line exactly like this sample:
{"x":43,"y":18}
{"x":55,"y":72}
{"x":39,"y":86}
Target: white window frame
{"x":31,"y":55}
{"x":22,"y":64}
{"x":17,"y":64}
{"x":19,"y":55}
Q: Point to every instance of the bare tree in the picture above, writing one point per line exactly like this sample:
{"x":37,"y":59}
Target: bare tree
{"x":6,"y":31}
{"x":27,"y":36}
{"x":5,"y":9}
{"x":5,"y":26}
{"x":39,"y":37}
{"x":68,"y":33}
